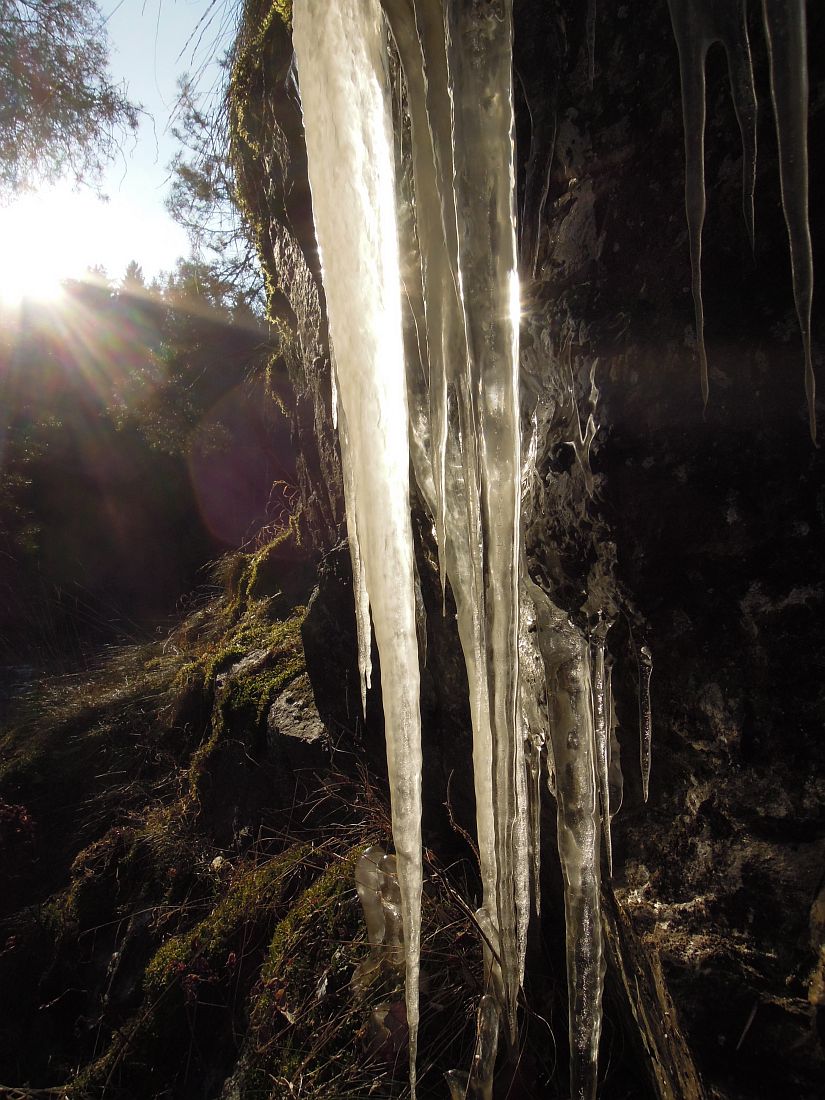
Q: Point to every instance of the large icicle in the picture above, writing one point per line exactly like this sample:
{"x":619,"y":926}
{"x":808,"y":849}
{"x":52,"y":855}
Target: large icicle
{"x":479,"y":60}
{"x":784,"y":22}
{"x":347,"y":118}
{"x":462,"y":169}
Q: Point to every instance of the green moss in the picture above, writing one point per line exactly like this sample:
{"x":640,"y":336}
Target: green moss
{"x":254,"y":893}
{"x":264,"y":46}
{"x":298,"y":1026}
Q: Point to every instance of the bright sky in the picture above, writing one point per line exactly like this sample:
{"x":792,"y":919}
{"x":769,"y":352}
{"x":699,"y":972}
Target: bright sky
{"x":153,"y":43}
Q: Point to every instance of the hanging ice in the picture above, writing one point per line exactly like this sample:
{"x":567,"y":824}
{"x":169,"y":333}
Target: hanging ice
{"x":697,"y":24}
{"x":345,"y":101}
{"x":566,"y":656}
{"x":645,"y":717}
{"x":456,"y":395}
{"x":465,"y":227}
{"x":784,"y":22}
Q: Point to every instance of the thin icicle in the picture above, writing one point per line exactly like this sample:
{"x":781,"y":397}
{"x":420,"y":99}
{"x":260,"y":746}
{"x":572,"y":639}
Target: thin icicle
{"x":533,"y":714}
{"x":785,"y":32}
{"x":347,"y":120}
{"x":602,"y":737}
{"x":567,"y":665}
{"x":645,"y":716}
{"x":697,"y":24}
{"x":363,"y":627}
{"x":615,"y":776}
{"x":437,"y":282}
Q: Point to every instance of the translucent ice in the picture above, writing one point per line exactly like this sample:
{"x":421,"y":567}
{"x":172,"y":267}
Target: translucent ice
{"x":340,"y":50}
{"x":566,"y":655}
{"x":368,"y":883}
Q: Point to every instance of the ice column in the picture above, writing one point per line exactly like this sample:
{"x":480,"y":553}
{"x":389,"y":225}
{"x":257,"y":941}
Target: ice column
{"x":464,"y":398}
{"x":347,"y":118}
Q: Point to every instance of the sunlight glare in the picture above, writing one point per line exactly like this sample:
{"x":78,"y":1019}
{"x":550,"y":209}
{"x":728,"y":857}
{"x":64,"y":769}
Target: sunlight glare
{"x":58,"y":234}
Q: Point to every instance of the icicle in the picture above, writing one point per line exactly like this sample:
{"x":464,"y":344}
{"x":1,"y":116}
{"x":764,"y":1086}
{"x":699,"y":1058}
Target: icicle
{"x":697,"y":24}
{"x":534,"y":728}
{"x":438,"y":285}
{"x":458,"y":1082}
{"x":491,"y":951}
{"x":486,"y":1049}
{"x":347,"y":122}
{"x":615,"y":777}
{"x":784,"y":22}
{"x":602,"y":736}
{"x":645,"y":717}
{"x":363,"y":628}
{"x":479,"y":55}
{"x":567,"y":667}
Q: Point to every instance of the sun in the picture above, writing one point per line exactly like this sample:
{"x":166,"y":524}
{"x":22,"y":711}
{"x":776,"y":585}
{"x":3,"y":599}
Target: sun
{"x":50,"y":236}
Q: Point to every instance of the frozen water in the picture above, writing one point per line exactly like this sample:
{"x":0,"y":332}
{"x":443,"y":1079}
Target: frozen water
{"x":345,"y":98}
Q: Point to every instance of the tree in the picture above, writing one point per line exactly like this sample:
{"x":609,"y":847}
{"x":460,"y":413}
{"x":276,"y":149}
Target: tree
{"x":60,"y":113}
{"x":203,"y":197}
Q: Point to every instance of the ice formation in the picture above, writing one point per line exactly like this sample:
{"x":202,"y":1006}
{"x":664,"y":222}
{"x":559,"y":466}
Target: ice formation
{"x":645,"y":718}
{"x":413,"y":193}
{"x":341,"y":55}
{"x":697,"y":25}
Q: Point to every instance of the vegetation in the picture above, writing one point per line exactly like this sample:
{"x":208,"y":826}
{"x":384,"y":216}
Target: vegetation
{"x":179,"y":910}
{"x":61,"y":113}
{"x":130,"y":415}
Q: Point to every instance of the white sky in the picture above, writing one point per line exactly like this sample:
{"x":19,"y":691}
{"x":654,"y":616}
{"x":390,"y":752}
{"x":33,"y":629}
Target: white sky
{"x":153,"y":43}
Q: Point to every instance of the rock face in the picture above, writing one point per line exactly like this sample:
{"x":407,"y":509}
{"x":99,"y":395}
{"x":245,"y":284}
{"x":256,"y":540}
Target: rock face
{"x":701,"y":529}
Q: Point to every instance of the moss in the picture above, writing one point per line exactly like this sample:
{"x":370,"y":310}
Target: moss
{"x":265,"y":36}
{"x":303,"y":1019}
{"x":252,"y":895}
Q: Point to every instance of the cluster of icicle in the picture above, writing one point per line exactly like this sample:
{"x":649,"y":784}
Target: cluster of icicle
{"x":446,"y":401}
{"x":422,"y":300}
{"x":697,"y":25}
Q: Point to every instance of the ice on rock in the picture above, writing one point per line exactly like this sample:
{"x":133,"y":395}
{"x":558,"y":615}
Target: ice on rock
{"x":450,"y":406}
{"x":368,"y":883}
{"x":533,"y":714}
{"x":341,"y":55}
{"x":466,"y":416}
{"x":392,"y":907}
